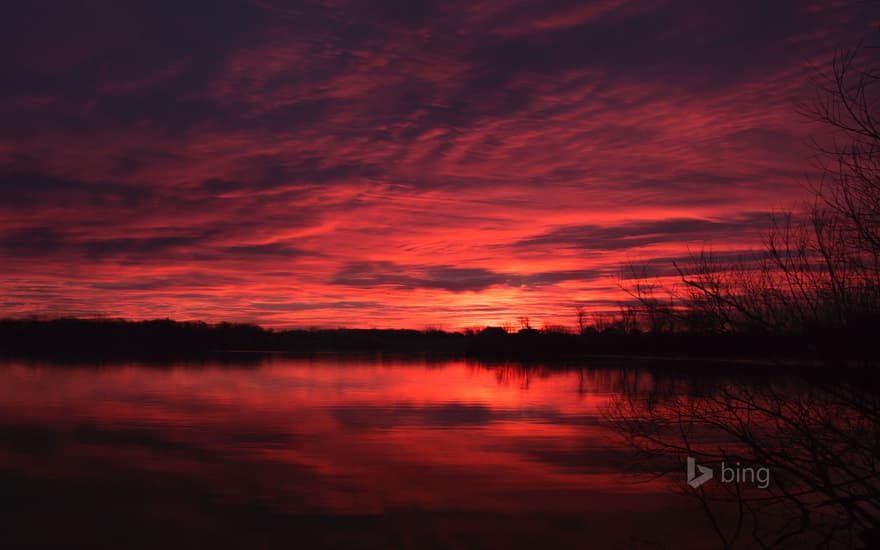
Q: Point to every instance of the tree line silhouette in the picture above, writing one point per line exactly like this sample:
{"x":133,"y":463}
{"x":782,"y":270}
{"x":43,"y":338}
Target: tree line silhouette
{"x":117,"y":338}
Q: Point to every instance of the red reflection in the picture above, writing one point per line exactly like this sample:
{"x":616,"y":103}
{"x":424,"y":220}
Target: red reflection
{"x":334,"y":437}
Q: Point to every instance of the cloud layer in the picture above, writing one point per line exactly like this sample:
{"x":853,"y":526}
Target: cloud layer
{"x":390,"y":163}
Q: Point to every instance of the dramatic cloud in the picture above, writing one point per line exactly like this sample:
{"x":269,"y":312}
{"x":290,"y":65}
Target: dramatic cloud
{"x":643,"y":233}
{"x":444,"y":277}
{"x":391,"y":163}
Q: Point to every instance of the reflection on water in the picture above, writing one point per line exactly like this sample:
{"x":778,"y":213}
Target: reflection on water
{"x":327,"y":451}
{"x":795,"y":459}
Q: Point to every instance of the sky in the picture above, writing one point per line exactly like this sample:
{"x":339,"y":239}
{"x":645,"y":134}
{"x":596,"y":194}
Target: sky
{"x":393,"y":163}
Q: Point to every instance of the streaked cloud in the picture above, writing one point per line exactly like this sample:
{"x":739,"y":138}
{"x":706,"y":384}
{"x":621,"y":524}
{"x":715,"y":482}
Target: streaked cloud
{"x":391,"y":163}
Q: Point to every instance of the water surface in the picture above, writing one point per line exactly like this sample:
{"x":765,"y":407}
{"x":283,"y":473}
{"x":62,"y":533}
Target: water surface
{"x":321,"y":451}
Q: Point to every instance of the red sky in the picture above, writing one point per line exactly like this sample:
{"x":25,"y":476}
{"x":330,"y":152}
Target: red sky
{"x":391,"y":163}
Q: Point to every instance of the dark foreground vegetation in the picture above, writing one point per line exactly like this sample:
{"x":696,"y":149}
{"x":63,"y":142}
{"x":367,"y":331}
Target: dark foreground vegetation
{"x":816,"y":281}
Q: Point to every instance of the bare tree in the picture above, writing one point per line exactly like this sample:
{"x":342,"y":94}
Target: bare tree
{"x":819,"y":269}
{"x":818,"y":272}
{"x":581,"y":319}
{"x":818,"y":439}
